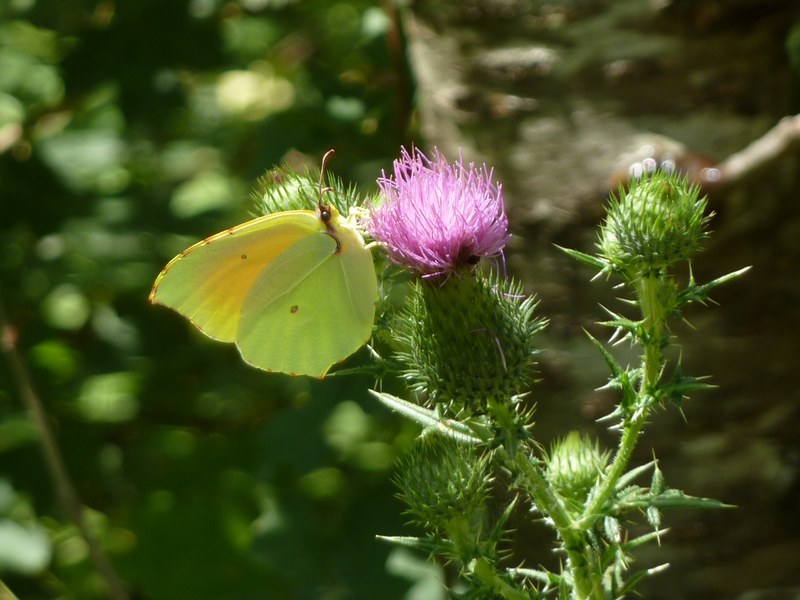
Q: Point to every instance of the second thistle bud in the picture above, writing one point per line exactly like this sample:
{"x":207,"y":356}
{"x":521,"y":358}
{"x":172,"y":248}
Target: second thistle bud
{"x":445,"y":484}
{"x":574,"y":465}
{"x":657,"y":222}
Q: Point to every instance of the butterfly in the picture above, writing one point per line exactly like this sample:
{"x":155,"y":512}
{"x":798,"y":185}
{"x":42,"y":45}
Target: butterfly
{"x":294,"y":290}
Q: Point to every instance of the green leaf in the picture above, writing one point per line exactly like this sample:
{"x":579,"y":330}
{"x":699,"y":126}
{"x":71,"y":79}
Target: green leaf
{"x":657,"y":485}
{"x":678,"y":499}
{"x":641,"y":499}
{"x":613,"y":365}
{"x":429,"y":545}
{"x":545,"y":577}
{"x":633,"y":328}
{"x":653,"y":517}
{"x":680,"y":386}
{"x":587,"y":259}
{"x":612,"y":529}
{"x":699,"y":293}
{"x":628,"y":477}
{"x":497,"y":532}
{"x":635,"y":578}
{"x":621,"y":378}
{"x":429,"y":419}
{"x":644,"y":539}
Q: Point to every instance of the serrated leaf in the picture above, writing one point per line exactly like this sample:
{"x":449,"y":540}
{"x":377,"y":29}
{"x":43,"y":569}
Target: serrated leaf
{"x":657,"y":484}
{"x":620,"y":378}
{"x":612,"y":529}
{"x":586,"y":259}
{"x":680,"y":386}
{"x":545,"y":577}
{"x":644,"y":539}
{"x":667,"y":499}
{"x":653,"y":517}
{"x":612,"y":363}
{"x":429,"y":419}
{"x":678,"y":499}
{"x":628,"y":477}
{"x":638,"y":576}
{"x":564,"y":591}
{"x":428,"y":545}
{"x":633,"y":328}
{"x":699,"y":293}
{"x":497,"y":533}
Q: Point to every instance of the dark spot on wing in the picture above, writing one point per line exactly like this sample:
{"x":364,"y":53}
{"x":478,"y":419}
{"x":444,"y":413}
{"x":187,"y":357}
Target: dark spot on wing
{"x":294,"y":309}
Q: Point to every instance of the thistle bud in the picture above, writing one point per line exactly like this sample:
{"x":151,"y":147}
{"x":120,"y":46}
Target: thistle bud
{"x":573,"y":466}
{"x":444,"y":483}
{"x":657,"y":222}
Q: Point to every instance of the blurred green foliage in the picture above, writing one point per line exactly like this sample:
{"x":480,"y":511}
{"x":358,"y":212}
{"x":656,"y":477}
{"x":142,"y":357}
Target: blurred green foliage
{"x":128,"y":130}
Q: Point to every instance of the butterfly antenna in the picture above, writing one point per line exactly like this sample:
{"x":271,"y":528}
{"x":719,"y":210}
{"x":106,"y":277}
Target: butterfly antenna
{"x":323,"y":190}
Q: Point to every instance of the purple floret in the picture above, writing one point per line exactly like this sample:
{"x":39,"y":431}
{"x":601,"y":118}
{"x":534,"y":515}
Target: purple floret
{"x":437,"y":218}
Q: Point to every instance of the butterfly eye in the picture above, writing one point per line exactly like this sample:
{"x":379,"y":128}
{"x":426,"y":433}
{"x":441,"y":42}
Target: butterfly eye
{"x":325,"y":213}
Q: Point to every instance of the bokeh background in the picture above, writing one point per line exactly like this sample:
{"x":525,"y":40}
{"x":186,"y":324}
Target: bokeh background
{"x":130,"y":129}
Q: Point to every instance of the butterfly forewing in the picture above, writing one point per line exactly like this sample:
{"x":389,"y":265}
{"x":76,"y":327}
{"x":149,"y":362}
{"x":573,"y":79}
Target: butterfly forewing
{"x":208,"y":282}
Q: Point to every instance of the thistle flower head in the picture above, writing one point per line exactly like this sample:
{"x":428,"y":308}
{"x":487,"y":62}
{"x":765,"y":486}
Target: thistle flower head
{"x":437,"y":218}
{"x":468,"y":342}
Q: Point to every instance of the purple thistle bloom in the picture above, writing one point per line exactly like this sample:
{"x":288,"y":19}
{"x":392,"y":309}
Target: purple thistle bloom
{"x":437,"y":217}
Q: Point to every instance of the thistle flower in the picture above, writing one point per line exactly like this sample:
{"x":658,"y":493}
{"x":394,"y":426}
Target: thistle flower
{"x":437,"y":218}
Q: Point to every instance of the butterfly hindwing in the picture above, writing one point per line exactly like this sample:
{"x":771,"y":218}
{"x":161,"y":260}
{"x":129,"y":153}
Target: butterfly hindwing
{"x":311,"y":307}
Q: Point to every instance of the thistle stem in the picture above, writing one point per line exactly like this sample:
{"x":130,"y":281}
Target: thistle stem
{"x":587,"y":585}
{"x":647,"y":290}
{"x":630,"y":436}
{"x":486,"y":572}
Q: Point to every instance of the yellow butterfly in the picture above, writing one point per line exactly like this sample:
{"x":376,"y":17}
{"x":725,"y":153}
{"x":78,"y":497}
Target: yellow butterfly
{"x":295,"y":290}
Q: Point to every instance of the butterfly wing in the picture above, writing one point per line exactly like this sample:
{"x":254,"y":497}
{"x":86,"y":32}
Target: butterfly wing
{"x":313,"y":306}
{"x":209,"y":282}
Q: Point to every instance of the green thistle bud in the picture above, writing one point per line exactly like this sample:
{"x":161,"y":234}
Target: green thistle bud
{"x":658,"y":221}
{"x":574,"y":464}
{"x":445,"y":485}
{"x":467,"y":340}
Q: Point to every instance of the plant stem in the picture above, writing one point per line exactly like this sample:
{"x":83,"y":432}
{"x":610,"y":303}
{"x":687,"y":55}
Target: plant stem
{"x":586,"y":584}
{"x":647,"y":290}
{"x":65,"y":489}
{"x":486,"y":572}
{"x":630,"y":436}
